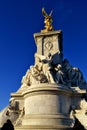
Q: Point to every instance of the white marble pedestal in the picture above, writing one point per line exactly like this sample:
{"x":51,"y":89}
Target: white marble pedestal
{"x":47,"y":108}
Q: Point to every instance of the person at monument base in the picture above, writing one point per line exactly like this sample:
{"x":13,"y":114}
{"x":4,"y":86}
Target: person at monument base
{"x":8,"y":125}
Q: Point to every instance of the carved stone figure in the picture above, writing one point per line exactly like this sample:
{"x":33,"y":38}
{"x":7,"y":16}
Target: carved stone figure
{"x":48,"y":21}
{"x":46,"y":62}
{"x":37,"y":76}
{"x":19,"y":120}
{"x":67,"y":69}
{"x":78,"y":77}
{"x":13,"y":105}
{"x":34,"y":75}
{"x":59,"y":74}
{"x":38,"y":61}
{"x":48,"y":73}
{"x":73,"y":74}
{"x":79,"y":113}
{"x":26,"y":78}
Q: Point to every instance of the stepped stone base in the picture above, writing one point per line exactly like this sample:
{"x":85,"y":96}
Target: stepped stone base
{"x":58,"y":127}
{"x":47,"y":107}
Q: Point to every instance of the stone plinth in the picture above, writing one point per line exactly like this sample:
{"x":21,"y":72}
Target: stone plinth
{"x":47,"y":106}
{"x":50,"y":42}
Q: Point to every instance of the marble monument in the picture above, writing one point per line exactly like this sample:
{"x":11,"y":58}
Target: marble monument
{"x":52,"y":92}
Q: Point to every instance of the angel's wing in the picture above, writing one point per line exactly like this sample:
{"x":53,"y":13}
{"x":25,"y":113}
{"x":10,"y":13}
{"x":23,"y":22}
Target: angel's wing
{"x":44,"y":12}
{"x":51,"y":13}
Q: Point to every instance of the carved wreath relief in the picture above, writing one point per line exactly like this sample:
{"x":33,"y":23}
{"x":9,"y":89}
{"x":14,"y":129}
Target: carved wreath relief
{"x":48,"y":45}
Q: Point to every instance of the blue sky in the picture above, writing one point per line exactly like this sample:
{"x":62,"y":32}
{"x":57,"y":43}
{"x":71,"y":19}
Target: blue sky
{"x":20,"y":19}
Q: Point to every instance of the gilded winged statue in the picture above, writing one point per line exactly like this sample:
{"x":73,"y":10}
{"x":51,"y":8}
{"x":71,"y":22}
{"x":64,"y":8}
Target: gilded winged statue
{"x":48,"y":21}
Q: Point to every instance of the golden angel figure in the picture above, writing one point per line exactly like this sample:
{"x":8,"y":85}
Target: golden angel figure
{"x":48,"y":21}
